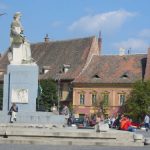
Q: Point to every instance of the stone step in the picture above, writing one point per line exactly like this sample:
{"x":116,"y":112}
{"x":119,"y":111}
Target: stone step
{"x":42,"y":134}
{"x":64,"y":132}
{"x":60,"y":141}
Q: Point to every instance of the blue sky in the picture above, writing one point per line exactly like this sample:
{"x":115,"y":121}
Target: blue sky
{"x":123,"y":23}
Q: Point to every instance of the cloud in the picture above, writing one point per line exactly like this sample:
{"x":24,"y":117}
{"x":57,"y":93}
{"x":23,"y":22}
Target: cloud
{"x":106,"y":22}
{"x":145,"y":33}
{"x":135,"y":44}
{"x":56,"y":24}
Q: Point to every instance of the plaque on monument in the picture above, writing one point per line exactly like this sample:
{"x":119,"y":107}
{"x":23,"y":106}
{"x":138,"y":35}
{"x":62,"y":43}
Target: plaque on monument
{"x":19,"y":95}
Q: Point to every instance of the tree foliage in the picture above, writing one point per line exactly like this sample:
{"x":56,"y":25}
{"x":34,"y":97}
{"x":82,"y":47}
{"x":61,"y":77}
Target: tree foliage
{"x":48,"y":95}
{"x":1,"y":97}
{"x":138,"y":102}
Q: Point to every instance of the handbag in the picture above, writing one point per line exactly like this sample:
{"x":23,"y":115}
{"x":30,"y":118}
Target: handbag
{"x":9,"y":113}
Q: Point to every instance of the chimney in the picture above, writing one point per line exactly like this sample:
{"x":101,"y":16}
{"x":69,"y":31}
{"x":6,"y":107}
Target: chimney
{"x":100,"y":41}
{"x":46,"y":39}
{"x":121,"y":51}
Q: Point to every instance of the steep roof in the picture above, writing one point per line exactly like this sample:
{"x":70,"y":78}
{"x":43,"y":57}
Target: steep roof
{"x":53,"y":55}
{"x":114,"y":69}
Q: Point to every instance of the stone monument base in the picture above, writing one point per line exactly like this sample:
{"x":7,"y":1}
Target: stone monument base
{"x":34,"y":118}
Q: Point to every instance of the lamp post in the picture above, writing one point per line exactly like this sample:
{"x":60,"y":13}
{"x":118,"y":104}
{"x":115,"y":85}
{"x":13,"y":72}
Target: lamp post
{"x":58,"y":90}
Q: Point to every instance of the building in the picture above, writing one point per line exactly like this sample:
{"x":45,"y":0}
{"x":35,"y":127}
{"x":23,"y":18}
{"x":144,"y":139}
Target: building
{"x":61,"y":60}
{"x":85,"y":76}
{"x":107,"y":80}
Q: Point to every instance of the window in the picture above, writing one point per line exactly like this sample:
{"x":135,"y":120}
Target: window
{"x":125,"y":76}
{"x":105,"y":98}
{"x":122,"y":99}
{"x":82,"y":99}
{"x":93,"y":98}
{"x":66,"y":68}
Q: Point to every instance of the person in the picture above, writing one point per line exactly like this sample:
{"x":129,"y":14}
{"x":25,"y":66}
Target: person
{"x":85,"y":120}
{"x":126,"y":124}
{"x":117,"y":121}
{"x":108,"y":121}
{"x":112,"y":120}
{"x":65,"y":111}
{"x":146,"y":122}
{"x":54,"y":109}
{"x":13,"y":111}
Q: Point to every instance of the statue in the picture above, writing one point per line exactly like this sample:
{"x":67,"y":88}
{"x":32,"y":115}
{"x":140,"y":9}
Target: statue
{"x":20,"y":52}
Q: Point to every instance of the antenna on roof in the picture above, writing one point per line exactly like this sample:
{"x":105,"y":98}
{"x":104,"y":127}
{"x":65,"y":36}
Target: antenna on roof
{"x":100,"y":34}
{"x":100,"y":41}
{"x":46,"y":39}
{"x":129,"y":51}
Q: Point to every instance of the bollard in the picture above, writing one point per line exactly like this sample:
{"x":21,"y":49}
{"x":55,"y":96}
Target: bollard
{"x":138,"y":138}
{"x":147,"y":141}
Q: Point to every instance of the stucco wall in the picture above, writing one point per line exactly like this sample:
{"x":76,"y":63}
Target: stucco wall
{"x":113,"y":91}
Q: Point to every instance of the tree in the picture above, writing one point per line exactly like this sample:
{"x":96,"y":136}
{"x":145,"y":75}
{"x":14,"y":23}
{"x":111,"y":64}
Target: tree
{"x":1,"y":96}
{"x":138,"y":102}
{"x":47,"y":94}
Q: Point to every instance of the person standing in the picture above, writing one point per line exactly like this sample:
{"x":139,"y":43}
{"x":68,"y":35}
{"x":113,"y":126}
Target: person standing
{"x":65,"y":111}
{"x":13,"y":111}
{"x":146,"y":122}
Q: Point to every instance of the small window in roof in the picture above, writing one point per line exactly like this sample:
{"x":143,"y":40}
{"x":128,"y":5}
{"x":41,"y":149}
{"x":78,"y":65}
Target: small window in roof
{"x":125,"y":76}
{"x":96,"y":76}
{"x":66,"y":68}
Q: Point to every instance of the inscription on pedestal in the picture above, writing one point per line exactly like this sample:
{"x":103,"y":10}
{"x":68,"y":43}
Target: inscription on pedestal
{"x":20,"y":96}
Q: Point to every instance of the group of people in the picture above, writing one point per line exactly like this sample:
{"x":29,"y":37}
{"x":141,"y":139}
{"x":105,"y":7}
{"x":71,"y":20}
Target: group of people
{"x":122,"y":122}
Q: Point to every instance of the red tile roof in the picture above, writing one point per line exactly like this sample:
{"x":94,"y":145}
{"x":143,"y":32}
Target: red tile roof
{"x":114,"y":69}
{"x":54,"y":54}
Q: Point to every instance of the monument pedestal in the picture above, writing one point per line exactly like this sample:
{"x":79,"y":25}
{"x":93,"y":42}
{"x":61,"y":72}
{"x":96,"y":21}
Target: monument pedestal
{"x":21,"y":87}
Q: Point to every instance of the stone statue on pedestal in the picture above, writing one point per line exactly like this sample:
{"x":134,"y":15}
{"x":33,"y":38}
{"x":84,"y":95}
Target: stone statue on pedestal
{"x":20,"y":52}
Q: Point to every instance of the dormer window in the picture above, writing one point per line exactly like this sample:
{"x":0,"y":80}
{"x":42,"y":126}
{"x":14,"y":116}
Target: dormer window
{"x":96,"y":76}
{"x":46,"y":69}
{"x":125,"y":76}
{"x":66,"y":68}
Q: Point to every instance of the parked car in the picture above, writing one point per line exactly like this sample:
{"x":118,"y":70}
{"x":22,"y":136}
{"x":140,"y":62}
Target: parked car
{"x":78,"y":121}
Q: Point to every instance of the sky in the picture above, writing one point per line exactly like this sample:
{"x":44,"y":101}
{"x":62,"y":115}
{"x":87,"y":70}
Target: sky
{"x":124,"y":24}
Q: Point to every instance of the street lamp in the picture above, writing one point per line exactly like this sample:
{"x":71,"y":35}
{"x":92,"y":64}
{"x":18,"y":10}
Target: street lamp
{"x":58,"y":89}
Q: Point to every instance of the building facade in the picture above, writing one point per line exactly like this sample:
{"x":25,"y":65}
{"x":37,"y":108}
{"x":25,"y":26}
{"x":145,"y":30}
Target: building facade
{"x":89,"y":81}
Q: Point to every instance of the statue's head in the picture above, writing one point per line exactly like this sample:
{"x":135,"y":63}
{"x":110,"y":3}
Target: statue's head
{"x":17,"y":14}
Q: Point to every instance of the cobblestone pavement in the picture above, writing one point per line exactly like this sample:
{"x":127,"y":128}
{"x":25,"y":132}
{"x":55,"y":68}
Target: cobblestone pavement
{"x":45,"y":147}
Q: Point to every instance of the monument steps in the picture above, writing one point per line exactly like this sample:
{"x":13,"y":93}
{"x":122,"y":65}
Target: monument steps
{"x":67,"y":141}
{"x":23,"y":134}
